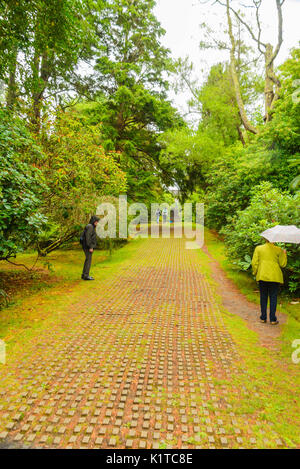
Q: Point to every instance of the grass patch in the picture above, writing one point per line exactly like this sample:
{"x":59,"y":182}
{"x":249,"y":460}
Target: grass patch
{"x":44,"y":294}
{"x":271,"y":385}
{"x":267,"y":385}
{"x":243,"y":280}
{"x":249,"y":287}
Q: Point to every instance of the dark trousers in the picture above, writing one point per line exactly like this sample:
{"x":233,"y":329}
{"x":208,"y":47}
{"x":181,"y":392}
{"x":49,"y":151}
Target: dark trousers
{"x":268,"y":289}
{"x":87,"y":262}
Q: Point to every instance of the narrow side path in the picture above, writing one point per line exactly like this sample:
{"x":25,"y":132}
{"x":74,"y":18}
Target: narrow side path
{"x":235,"y":302}
{"x":145,"y":361}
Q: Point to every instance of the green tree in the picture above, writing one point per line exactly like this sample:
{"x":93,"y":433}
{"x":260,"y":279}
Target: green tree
{"x":219,"y":111}
{"x":283,"y":132}
{"x":46,"y":41}
{"x":233,"y":176}
{"x":78,"y":172}
{"x":130,"y":52}
{"x":22,"y":187}
{"x":130,"y":75}
{"x":14,"y":37}
{"x":243,"y":22}
{"x":186,"y":158}
{"x":132,"y":120}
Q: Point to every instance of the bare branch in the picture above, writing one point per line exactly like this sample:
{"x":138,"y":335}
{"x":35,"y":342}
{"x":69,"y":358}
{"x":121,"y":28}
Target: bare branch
{"x":256,"y":39}
{"x":254,"y":61}
{"x":23,"y":265}
{"x":280,"y":21}
{"x":239,"y":18}
{"x":247,"y":124}
{"x":190,"y":87}
{"x":257,"y":6}
{"x":274,"y":79}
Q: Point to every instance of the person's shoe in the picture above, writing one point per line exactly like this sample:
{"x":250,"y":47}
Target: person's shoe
{"x":263,"y":320}
{"x":273,"y":323}
{"x":88,"y":278}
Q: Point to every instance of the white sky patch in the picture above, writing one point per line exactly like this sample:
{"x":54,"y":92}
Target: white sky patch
{"x":181,"y":20}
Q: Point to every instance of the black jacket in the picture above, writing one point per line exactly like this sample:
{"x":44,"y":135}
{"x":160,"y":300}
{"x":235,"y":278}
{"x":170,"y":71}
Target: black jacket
{"x":90,"y":238}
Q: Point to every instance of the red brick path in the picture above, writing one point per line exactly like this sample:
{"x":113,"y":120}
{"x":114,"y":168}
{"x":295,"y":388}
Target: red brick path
{"x":133,"y":365}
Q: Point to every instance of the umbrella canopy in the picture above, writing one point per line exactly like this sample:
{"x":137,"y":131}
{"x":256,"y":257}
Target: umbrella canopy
{"x":282,"y":234}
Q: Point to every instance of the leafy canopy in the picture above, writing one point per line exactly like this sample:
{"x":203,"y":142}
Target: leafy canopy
{"x":22,"y":187}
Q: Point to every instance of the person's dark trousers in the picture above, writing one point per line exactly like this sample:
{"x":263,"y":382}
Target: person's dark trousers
{"x":87,"y":263}
{"x":268,"y":290}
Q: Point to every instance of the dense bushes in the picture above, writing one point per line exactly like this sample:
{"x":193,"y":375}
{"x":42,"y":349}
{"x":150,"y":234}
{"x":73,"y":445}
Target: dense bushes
{"x":237,"y":172}
{"x":268,"y":207}
{"x":49,"y":185}
{"x":21,"y":188}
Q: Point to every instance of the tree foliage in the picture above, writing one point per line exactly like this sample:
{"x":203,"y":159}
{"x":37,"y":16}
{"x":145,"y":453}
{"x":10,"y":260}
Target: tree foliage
{"x":78,"y":173}
{"x":130,"y":51}
{"x":268,"y":207}
{"x":109,"y":144}
{"x":22,"y":187}
{"x":131,"y":121}
{"x":221,"y":165}
{"x":42,"y":45}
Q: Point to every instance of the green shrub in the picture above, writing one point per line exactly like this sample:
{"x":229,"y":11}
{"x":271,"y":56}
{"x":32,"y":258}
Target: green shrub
{"x":268,"y":207}
{"x":21,"y":188}
{"x":234,"y":175}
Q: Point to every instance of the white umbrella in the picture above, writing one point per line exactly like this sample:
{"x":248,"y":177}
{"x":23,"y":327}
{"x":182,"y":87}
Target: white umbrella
{"x":282,"y":234}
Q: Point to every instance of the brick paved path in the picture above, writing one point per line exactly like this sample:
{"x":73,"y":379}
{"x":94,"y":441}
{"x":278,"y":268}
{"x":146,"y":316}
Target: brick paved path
{"x":134,"y":365}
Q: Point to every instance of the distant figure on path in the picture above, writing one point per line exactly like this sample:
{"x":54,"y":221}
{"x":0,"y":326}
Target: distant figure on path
{"x":165,"y":214}
{"x":266,"y":264}
{"x":89,"y":242}
{"x":157,"y":213}
{"x":172,"y":215}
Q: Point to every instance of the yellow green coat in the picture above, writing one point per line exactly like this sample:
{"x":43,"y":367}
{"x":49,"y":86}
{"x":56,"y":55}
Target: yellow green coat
{"x":266,"y":262}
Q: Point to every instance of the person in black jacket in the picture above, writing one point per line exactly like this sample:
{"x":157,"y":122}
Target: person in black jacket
{"x":88,"y":244}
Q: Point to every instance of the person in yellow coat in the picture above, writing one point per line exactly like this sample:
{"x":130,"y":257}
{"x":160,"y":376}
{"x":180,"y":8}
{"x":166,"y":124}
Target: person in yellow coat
{"x":266,"y":265}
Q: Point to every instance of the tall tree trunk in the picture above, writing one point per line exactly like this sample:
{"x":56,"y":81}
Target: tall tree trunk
{"x":35,"y":117}
{"x":233,"y":68}
{"x":272,"y":83}
{"x":269,"y":85}
{"x":11,"y":91}
{"x":42,"y":74}
{"x":242,"y":139}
